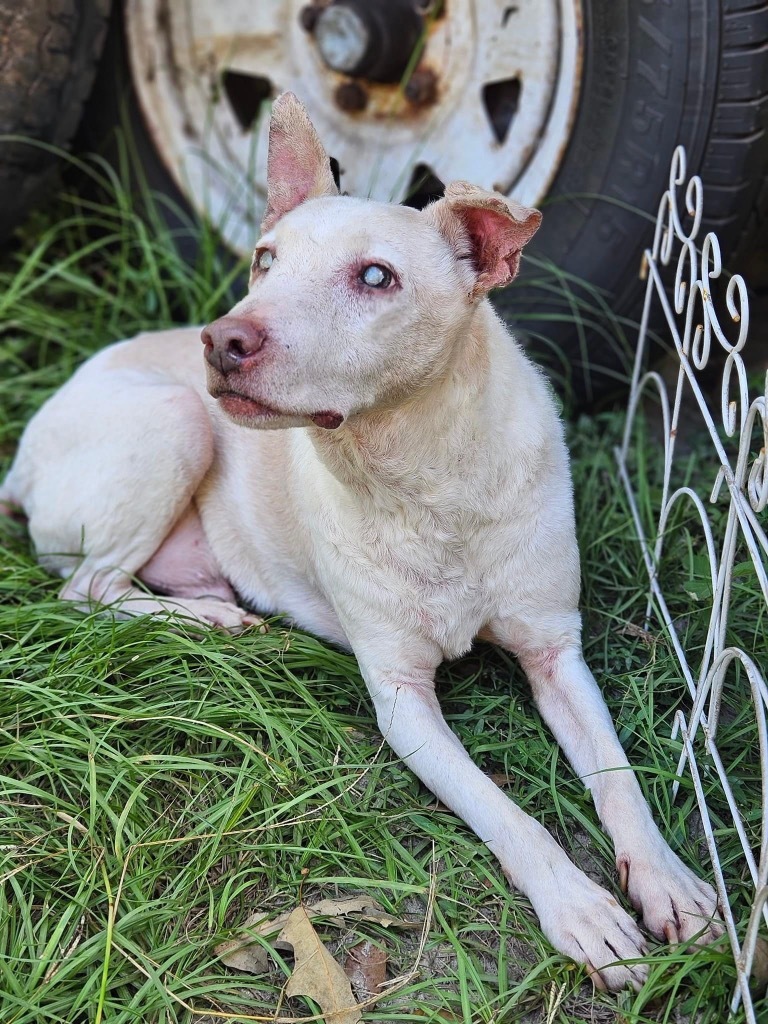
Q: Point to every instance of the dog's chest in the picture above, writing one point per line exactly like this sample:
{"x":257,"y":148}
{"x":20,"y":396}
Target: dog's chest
{"x":425,"y":572}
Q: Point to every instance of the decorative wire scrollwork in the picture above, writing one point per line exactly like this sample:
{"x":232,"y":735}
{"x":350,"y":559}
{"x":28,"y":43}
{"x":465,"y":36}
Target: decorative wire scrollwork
{"x":738,"y":432}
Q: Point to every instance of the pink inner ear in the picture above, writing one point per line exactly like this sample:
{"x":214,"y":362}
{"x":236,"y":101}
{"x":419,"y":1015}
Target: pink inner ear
{"x":297,"y":165}
{"x":497,"y":241}
{"x":295,"y":170}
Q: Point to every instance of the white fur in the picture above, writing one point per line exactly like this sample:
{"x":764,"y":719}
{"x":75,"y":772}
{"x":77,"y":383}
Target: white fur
{"x":438,"y":511}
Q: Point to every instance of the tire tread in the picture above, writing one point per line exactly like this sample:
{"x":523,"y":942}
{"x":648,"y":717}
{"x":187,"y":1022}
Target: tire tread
{"x":49,"y":50}
{"x":736,"y":156}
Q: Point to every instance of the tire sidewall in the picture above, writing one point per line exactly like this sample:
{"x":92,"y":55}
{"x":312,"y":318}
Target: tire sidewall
{"x":644,"y":90}
{"x":642,"y":94}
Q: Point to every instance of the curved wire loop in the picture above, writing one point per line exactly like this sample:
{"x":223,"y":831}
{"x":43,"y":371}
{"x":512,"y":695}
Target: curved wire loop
{"x":706,"y":311}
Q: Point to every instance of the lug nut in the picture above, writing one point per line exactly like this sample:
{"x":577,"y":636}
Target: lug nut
{"x":352,"y":97}
{"x":421,"y":89}
{"x":308,"y":17}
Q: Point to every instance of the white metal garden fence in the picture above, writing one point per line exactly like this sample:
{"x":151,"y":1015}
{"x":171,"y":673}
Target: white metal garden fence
{"x":738,"y":431}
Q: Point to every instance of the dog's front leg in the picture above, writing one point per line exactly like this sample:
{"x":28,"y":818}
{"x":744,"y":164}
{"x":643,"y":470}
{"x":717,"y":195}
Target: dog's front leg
{"x":675,"y":904}
{"x":581,"y":919}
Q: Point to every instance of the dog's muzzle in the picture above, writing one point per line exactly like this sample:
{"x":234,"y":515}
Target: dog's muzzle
{"x":231,"y":343}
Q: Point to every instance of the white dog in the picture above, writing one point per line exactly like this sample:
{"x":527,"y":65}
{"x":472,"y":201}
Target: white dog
{"x":425,"y":500}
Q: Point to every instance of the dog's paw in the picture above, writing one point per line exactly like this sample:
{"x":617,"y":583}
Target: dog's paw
{"x":231,"y":618}
{"x":214,"y":613}
{"x":586,"y":923}
{"x":676,"y":905}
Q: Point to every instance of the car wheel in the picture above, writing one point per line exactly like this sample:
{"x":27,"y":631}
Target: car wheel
{"x":574,"y":105}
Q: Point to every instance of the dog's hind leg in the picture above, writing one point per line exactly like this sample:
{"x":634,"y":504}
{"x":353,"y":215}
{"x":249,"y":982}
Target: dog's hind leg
{"x":182,"y":573}
{"x":106,"y":473}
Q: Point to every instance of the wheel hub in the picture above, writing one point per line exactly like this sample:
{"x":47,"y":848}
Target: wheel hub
{"x":402,"y":92}
{"x":371,"y":39}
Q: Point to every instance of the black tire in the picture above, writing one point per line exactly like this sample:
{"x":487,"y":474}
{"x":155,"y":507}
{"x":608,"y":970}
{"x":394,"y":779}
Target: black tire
{"x":49,"y":50}
{"x":655,"y":75}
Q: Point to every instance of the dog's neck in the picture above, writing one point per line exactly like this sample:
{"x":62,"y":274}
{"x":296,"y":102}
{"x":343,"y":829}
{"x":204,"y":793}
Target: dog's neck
{"x":417,"y":451}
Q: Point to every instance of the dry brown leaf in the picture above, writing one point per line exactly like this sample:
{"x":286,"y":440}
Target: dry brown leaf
{"x":361,"y":906}
{"x":366,"y":968}
{"x":758,"y":978}
{"x":316,"y":973}
{"x":242,"y":955}
{"x":630,"y":629}
{"x":246,"y":954}
{"x":265,"y":926}
{"x":502,"y":779}
{"x":347,"y":905}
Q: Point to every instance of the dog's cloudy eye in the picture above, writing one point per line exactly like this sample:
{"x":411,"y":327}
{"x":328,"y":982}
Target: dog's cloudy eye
{"x":375,"y":276}
{"x":266,"y":260}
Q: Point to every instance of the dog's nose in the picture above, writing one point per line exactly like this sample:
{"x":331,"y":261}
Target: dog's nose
{"x":231,"y":341}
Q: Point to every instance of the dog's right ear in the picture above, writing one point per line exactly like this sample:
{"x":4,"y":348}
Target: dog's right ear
{"x":297,"y":165}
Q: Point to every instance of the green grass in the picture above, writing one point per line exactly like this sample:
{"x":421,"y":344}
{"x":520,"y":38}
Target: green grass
{"x":157,"y":787}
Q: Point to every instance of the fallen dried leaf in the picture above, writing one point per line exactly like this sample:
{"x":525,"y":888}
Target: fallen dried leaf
{"x":366,"y":968}
{"x":246,"y":954}
{"x":630,"y":629}
{"x":263,"y":925}
{"x":242,"y":955}
{"x":362,"y":907}
{"x":316,"y":973}
{"x":758,"y":978}
{"x":502,"y":779}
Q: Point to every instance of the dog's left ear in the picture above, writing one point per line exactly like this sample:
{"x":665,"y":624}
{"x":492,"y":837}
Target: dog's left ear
{"x":298,"y":167}
{"x":487,"y":228}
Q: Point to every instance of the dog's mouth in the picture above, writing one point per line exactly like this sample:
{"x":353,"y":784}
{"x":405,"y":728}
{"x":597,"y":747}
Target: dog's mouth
{"x":240,"y":407}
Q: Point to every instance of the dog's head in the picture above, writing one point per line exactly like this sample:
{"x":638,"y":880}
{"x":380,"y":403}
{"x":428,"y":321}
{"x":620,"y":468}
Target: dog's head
{"x":353,"y":305}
